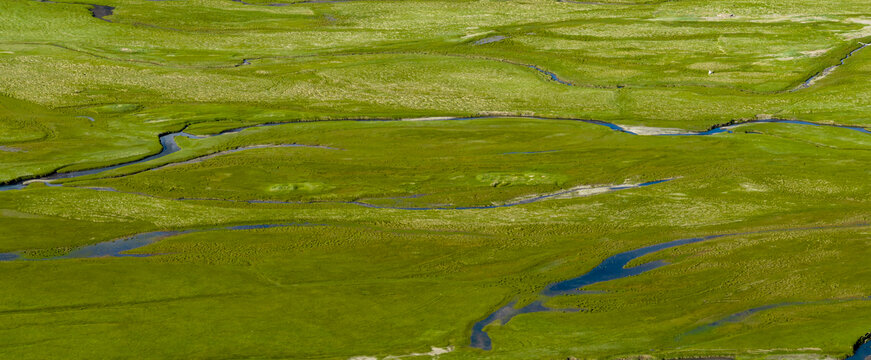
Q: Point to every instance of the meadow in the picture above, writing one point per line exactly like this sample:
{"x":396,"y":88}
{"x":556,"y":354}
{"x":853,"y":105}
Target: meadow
{"x":437,"y":160}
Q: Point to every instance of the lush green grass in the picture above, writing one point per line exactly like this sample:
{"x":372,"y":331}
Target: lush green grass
{"x":467,"y":163}
{"x":368,"y":58}
{"x":466,"y":262}
{"x":378,"y":282}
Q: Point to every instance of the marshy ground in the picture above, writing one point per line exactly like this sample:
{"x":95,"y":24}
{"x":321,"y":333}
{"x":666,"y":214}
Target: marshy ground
{"x":331,"y":180}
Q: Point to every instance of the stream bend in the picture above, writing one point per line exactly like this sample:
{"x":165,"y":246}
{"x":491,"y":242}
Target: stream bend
{"x":612,"y":268}
{"x":169,"y":145}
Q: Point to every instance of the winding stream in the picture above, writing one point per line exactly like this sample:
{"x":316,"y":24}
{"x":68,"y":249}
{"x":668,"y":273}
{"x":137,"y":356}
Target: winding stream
{"x":102,"y":11}
{"x":741,"y":316}
{"x":822,"y":74}
{"x":116,"y":248}
{"x":612,"y":268}
{"x":861,"y":349}
{"x":552,"y":76}
{"x":169,"y":145}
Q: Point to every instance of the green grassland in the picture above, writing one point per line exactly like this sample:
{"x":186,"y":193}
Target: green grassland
{"x":366,"y":276}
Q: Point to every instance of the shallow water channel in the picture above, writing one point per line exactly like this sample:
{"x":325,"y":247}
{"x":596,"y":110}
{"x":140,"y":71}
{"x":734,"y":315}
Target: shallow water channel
{"x":612,"y":268}
{"x":861,"y":351}
{"x":118,"y":247}
{"x":169,"y":145}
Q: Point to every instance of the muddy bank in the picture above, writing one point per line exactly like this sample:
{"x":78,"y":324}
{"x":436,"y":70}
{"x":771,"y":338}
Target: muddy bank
{"x":529,"y":152}
{"x":10,"y":149}
{"x":579,"y":191}
{"x":433,"y":354}
{"x":489,"y":40}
